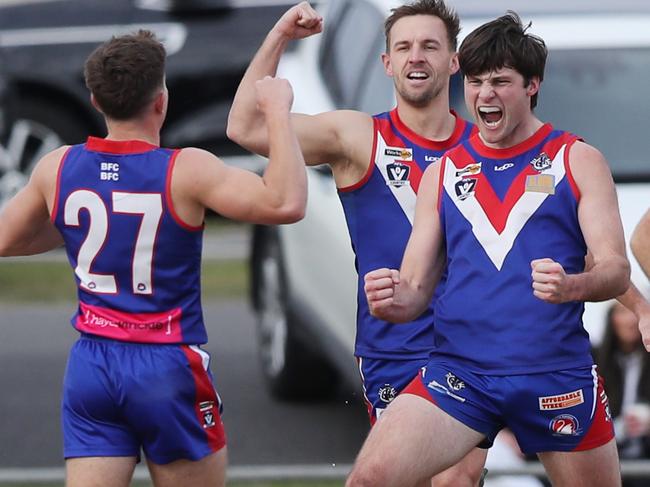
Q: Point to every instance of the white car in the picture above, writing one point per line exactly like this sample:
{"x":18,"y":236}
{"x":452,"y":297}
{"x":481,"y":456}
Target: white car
{"x":303,"y":275}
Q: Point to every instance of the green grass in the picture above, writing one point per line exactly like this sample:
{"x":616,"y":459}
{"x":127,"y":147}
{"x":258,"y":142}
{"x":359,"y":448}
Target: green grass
{"x":53,"y":282}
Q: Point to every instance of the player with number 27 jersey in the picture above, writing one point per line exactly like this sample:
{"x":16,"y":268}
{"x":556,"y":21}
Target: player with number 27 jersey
{"x":137,"y":265}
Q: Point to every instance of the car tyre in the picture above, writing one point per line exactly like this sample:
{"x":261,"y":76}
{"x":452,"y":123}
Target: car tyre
{"x":293,"y":369}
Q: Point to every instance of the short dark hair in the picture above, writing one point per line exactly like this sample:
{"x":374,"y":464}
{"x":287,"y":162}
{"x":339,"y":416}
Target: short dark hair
{"x":500,"y":43}
{"x":125,"y":73}
{"x":435,"y":8}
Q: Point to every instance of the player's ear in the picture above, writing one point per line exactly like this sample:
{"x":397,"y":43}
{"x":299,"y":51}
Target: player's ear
{"x":160,"y":102}
{"x":454,"y":66}
{"x":93,"y":102}
{"x":533,"y":86}
{"x":385,"y":59}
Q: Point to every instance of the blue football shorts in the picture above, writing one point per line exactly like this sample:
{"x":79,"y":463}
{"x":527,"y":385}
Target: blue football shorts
{"x":565,"y":410}
{"x":120,"y":397}
{"x":384,"y":379}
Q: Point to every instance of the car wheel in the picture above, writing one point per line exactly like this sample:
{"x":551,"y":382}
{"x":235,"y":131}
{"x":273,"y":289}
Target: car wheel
{"x":34,"y":128}
{"x":292,"y":369}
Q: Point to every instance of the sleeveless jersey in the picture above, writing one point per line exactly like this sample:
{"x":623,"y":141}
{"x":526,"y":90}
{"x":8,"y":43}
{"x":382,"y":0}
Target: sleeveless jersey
{"x":500,"y":209}
{"x":379,"y":212}
{"x":137,"y":265}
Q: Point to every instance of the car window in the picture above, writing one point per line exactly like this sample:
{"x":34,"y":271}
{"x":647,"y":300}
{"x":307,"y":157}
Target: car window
{"x":344,"y":59}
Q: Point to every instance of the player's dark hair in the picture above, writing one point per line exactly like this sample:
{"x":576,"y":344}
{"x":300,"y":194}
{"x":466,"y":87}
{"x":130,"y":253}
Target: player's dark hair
{"x":501,"y":43}
{"x":125,"y":73}
{"x":435,"y":8}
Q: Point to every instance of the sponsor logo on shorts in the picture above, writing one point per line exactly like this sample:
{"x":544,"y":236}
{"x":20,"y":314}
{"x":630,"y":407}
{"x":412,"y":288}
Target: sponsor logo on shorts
{"x":403,"y":153}
{"x":605,"y":402}
{"x":207,"y":411}
{"x":561,"y":401}
{"x":454,"y":382}
{"x":565,"y":425}
{"x":436,"y":386}
{"x":387,"y":393}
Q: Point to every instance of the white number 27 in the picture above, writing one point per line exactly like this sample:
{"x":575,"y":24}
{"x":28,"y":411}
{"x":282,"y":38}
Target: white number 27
{"x":148,"y":205}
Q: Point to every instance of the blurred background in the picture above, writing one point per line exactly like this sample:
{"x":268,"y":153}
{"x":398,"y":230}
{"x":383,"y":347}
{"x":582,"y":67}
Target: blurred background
{"x":279,"y":301}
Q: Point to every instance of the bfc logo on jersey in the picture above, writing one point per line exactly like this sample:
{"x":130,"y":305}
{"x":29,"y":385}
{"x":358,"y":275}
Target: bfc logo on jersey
{"x":565,"y":425}
{"x":109,"y":171}
{"x":207,"y":411}
{"x":398,"y":174}
{"x":387,"y":393}
{"x":465,"y":188}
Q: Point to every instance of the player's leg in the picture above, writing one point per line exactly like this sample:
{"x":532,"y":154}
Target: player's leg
{"x":466,"y":473}
{"x":99,"y":471}
{"x":207,"y":472}
{"x":587,"y":468}
{"x":412,"y":440}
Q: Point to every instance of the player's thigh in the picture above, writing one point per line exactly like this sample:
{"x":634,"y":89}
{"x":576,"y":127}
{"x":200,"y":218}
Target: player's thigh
{"x":465,"y":473}
{"x":99,"y":471}
{"x":586,"y":468}
{"x":210,"y":471}
{"x":412,"y":440}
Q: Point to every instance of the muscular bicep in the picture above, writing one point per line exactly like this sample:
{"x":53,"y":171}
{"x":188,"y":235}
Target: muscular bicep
{"x":598,"y":211}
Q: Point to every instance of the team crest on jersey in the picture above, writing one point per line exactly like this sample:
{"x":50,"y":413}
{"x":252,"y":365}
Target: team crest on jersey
{"x":387,"y":393}
{"x":471,"y":170}
{"x":565,"y":425}
{"x":541,"y":162}
{"x":398,"y":174}
{"x":207,"y":412}
{"x":465,"y":188}
{"x":401,"y":153}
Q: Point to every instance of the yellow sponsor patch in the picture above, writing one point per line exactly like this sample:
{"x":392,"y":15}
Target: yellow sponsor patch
{"x":541,"y":183}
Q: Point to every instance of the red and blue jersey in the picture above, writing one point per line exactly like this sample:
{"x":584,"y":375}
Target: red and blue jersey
{"x":136,"y":263}
{"x":500,"y":209}
{"x":379,"y":211}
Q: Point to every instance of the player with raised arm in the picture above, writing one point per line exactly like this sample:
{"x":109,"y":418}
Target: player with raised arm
{"x":131,"y":216}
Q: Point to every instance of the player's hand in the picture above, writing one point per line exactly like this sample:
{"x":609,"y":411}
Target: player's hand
{"x":273,"y":95}
{"x":550,"y":282}
{"x":380,"y":289}
{"x":299,"y":21}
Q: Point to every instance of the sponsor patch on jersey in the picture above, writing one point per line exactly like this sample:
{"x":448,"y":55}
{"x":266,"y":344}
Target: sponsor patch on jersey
{"x":504,"y":167}
{"x":387,"y":393}
{"x":471,"y":170}
{"x":401,"y":153}
{"x":564,"y":425}
{"x":465,"y":188}
{"x":541,"y":183}
{"x":561,"y":401}
{"x":398,"y":174}
{"x":541,"y":162}
{"x":207,"y":411}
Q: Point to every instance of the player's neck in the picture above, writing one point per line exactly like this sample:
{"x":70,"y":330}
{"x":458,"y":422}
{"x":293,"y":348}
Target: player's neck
{"x":434,"y":122}
{"x":133,"y":130}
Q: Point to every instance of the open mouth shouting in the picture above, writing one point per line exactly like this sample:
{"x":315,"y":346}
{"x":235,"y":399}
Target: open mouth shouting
{"x":490,"y":115}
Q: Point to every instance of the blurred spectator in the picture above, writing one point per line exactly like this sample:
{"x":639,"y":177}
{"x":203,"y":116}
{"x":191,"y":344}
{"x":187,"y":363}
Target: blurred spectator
{"x":625,"y":366}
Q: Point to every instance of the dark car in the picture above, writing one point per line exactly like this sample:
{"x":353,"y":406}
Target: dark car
{"x":43,"y":45}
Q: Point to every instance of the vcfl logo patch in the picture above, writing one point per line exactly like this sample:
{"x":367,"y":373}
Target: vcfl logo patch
{"x":398,"y":174}
{"x":207,"y":411}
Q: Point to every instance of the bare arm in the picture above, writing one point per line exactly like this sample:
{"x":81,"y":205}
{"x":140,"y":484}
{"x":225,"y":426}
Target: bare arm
{"x":635,"y":302}
{"x":402,"y":296}
{"x":202,"y":180}
{"x":25,"y":227}
{"x":640,"y":243}
{"x":600,"y":222}
{"x":320,"y":136}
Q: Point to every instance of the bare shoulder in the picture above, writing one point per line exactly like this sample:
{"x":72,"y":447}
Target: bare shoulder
{"x":585,"y":157}
{"x":48,"y":166}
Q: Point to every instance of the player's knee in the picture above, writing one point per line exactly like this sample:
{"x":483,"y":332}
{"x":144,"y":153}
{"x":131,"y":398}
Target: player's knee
{"x":366,"y":476}
{"x":458,"y":477}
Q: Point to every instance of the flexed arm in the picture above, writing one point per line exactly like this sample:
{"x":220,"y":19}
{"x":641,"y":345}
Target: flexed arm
{"x":640,"y":243}
{"x":246,"y":126}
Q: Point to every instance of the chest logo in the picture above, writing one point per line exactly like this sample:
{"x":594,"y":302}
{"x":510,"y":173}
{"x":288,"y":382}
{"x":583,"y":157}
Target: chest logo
{"x":398,"y":174}
{"x":465,"y":188}
{"x":541,"y":183}
{"x":402,"y":153}
{"x":471,"y":170}
{"x":541,"y":162}
{"x":507,"y":165}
